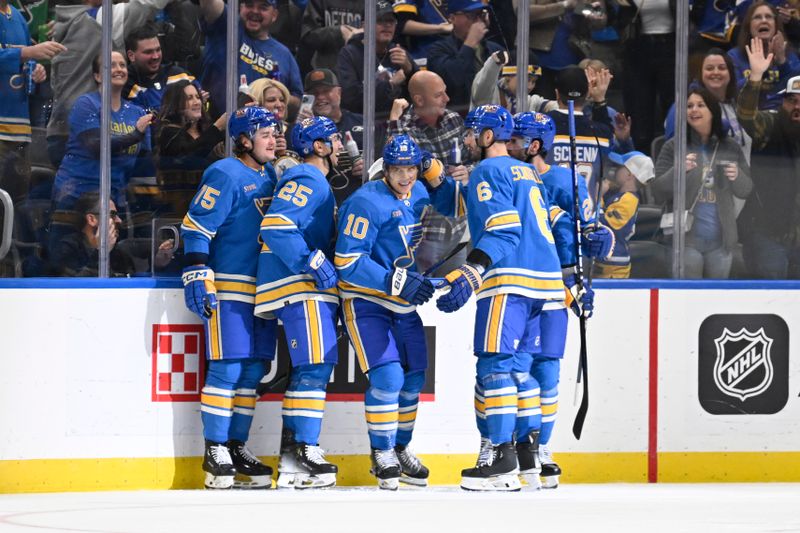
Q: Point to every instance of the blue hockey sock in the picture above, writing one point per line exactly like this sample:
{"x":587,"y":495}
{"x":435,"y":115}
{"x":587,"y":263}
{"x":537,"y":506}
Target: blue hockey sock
{"x":546,"y":371}
{"x":480,"y":411}
{"x":244,"y":403}
{"x":217,"y":397}
{"x":500,"y":394}
{"x":529,"y":411}
{"x":304,"y":401}
{"x":409,"y":400}
{"x":380,"y":404}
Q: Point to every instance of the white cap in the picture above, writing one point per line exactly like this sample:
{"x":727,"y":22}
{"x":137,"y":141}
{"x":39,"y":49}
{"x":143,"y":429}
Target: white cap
{"x":792,"y":86}
{"x":637,"y":163}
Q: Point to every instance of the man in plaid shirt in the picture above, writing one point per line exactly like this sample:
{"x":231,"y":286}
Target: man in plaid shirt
{"x":430,"y":123}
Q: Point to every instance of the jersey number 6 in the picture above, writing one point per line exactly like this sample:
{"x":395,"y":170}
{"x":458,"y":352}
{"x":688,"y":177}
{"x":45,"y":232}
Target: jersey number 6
{"x":297,"y":194}
{"x":540,"y":212}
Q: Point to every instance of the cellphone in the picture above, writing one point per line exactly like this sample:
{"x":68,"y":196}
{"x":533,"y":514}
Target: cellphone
{"x":307,"y":104}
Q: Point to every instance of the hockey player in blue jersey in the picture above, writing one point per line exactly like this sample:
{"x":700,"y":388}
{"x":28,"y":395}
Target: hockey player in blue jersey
{"x":514,"y":270}
{"x":380,"y":227}
{"x":220,"y":234}
{"x":532,"y":138}
{"x":297,"y":283}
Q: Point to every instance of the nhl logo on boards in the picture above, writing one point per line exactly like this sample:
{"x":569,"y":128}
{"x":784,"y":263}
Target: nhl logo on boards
{"x":740,"y":356}
{"x":743,"y":364}
{"x":178,"y":362}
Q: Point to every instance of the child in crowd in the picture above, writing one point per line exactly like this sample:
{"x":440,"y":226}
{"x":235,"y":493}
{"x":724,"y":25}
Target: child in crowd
{"x":619,"y":206}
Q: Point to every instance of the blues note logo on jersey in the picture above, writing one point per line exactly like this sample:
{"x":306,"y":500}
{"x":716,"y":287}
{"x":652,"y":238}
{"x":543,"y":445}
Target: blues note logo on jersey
{"x":412,"y":237}
{"x":262,"y":204}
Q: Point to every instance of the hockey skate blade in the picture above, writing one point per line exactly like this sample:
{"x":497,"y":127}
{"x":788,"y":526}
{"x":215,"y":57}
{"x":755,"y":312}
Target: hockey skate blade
{"x":414,"y":482}
{"x":218,"y":482}
{"x":503,"y":483}
{"x":285,"y":480}
{"x":531,"y":479}
{"x":550,"y":482}
{"x":392,"y":483}
{"x":254,"y":483}
{"x":304,"y":481}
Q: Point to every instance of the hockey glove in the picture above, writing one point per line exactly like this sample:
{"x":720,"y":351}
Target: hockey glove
{"x":580,"y":298}
{"x":598,"y":241}
{"x":463,"y":281}
{"x":410,"y":286}
{"x":199,"y":290}
{"x":432,"y":170}
{"x":322,"y":270}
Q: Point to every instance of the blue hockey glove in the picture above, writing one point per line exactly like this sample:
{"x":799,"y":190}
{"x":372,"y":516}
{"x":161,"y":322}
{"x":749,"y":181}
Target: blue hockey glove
{"x":463,"y":281}
{"x":322,"y":270}
{"x":410,"y":286}
{"x":199,"y":290}
{"x":598,"y":241}
{"x":580,"y":298}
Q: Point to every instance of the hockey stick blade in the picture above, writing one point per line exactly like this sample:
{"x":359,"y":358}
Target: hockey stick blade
{"x":446,"y":258}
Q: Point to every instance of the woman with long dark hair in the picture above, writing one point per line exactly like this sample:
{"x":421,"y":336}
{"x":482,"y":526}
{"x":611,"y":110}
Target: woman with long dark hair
{"x":716,"y":172}
{"x":185,"y":145}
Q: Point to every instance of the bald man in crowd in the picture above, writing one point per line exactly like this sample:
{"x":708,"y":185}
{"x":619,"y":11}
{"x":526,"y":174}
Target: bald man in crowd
{"x":427,"y":120}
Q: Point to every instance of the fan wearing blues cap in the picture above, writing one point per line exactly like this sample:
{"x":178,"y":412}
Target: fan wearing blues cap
{"x":496,"y":83}
{"x":619,"y":207}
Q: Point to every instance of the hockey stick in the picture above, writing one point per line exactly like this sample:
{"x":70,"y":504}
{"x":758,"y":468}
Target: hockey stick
{"x":577,"y":426}
{"x":278,"y":385}
{"x":460,"y":246}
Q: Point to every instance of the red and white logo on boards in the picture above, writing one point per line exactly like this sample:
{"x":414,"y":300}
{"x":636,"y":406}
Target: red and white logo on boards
{"x":178,"y":356}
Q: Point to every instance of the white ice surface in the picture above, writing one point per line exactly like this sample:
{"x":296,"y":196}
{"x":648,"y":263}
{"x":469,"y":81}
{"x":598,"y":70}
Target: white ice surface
{"x":620,"y":508}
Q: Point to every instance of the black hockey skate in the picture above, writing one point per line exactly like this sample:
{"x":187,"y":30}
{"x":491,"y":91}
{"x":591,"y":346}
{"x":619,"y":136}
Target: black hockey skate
{"x":386,"y":468}
{"x":502,"y":474}
{"x":413,"y":472}
{"x":314,"y":470}
{"x":550,"y":470}
{"x":247,"y":464}
{"x":528,"y":457}
{"x":218,"y":466}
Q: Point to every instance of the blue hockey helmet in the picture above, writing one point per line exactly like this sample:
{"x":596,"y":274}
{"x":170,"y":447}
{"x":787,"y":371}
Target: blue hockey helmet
{"x":532,"y":126}
{"x":491,"y":117}
{"x":401,"y":150}
{"x":248,"y":120}
{"x":312,"y":129}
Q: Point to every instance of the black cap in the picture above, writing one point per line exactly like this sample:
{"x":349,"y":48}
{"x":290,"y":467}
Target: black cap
{"x":572,"y":83}
{"x":319,"y":77}
{"x":510,"y":68}
{"x":384,"y":8}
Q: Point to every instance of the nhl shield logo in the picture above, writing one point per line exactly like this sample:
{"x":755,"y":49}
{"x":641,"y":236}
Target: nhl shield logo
{"x":743,"y":367}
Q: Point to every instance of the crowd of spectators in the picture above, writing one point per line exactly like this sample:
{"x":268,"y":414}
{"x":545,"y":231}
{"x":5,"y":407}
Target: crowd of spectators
{"x":434,"y":61}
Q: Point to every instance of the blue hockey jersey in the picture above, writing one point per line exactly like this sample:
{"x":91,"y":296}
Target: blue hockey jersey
{"x":301,"y":219}
{"x":223,"y":222}
{"x":508,"y":220}
{"x":15,"y":125}
{"x":558,"y":183}
{"x":379,"y":232}
{"x":619,"y":210}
